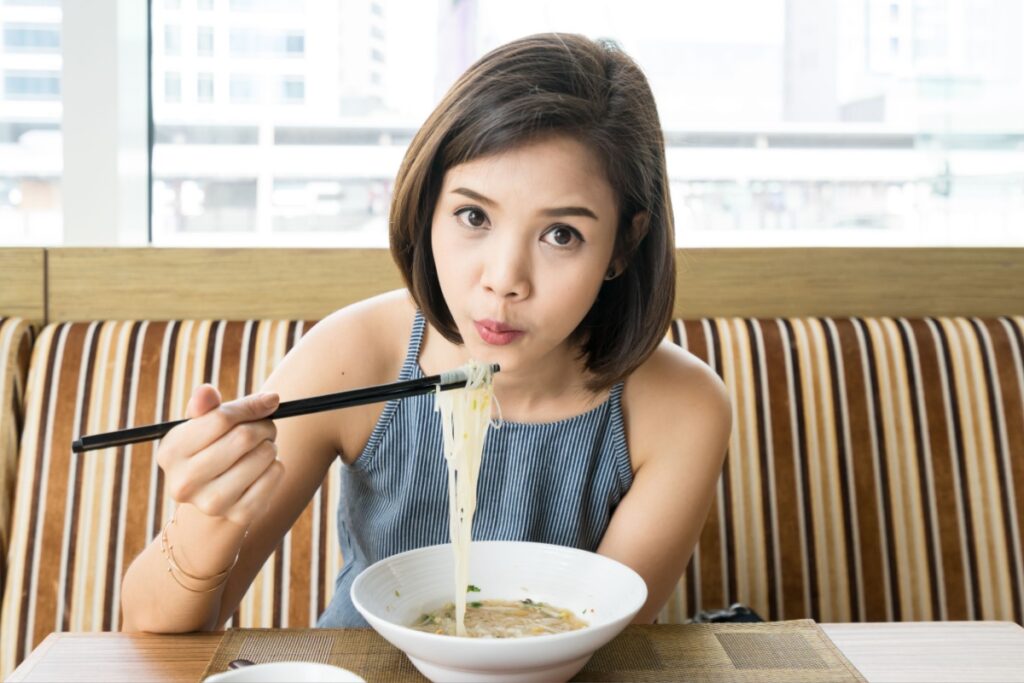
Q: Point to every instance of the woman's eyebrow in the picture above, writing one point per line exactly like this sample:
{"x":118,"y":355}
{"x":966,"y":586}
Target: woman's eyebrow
{"x":560,"y":212}
{"x":465,"y":191}
{"x":564,"y":211}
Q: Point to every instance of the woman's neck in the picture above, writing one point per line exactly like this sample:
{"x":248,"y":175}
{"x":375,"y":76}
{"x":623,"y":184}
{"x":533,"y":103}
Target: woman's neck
{"x":543,"y":395}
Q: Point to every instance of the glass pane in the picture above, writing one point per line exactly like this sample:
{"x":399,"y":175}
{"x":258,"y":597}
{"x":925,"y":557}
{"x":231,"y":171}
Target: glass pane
{"x":204,"y":41}
{"x":284,"y":122}
{"x":787,"y":122}
{"x":30,"y":123}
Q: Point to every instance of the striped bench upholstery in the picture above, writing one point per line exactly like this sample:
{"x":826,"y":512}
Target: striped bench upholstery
{"x":80,"y":519}
{"x":873,"y":472}
{"x":16,"y":336}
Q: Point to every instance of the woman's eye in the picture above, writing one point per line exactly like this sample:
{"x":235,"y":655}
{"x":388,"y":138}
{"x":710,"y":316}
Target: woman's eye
{"x":472,"y":217}
{"x":562,"y":236}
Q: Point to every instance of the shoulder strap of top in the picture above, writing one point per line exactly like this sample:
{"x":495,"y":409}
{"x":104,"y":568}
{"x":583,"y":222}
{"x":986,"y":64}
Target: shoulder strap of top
{"x":615,"y":409}
{"x":617,"y":428}
{"x":411,"y":366}
{"x":410,"y":370}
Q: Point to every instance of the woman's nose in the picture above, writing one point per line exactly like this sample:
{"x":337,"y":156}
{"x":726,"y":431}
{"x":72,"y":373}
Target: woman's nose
{"x":507,"y":272}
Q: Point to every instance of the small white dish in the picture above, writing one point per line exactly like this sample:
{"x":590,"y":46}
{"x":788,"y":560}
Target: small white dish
{"x":271,"y":672}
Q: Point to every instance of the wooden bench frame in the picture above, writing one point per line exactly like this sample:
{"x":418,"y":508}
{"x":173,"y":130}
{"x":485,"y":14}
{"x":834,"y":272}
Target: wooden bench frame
{"x":67,"y":283}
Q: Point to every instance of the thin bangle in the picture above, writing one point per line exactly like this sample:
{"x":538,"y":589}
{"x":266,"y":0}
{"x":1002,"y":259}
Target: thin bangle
{"x":172,"y":566}
{"x":167,"y":548}
{"x":194,"y":590}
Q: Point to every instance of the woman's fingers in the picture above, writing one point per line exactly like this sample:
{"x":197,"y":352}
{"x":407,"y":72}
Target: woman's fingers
{"x":204,"y":398}
{"x":254,"y":500}
{"x":201,"y":432}
{"x":215,"y":437}
{"x":223,"y":454}
{"x":220,"y":456}
{"x":222,"y":493}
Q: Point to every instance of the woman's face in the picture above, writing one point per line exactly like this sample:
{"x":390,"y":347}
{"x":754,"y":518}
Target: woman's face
{"x":522,"y":241}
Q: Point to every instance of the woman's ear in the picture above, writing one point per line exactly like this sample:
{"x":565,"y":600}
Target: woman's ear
{"x":638,"y":228}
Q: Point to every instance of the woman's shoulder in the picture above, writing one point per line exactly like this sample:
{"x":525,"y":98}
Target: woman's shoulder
{"x":359,"y":345}
{"x":379,"y":315}
{"x":673,"y":397}
{"x":367,"y":339}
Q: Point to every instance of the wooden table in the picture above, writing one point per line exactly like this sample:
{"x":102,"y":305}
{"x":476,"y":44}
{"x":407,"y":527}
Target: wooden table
{"x":928,"y":652}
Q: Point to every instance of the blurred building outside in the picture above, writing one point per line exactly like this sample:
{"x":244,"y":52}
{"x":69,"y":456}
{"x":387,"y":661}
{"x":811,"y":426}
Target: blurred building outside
{"x":787,"y":122}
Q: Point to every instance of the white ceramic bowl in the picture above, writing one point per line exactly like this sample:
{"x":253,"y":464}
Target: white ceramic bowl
{"x":274,"y":672}
{"x":393,"y":593}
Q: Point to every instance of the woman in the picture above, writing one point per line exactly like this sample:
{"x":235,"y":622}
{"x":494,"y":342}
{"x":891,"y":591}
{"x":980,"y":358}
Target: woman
{"x":532,"y":224}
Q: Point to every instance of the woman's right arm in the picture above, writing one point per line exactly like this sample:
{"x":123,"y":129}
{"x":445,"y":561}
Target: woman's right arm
{"x":240,"y":482}
{"x":220,"y":468}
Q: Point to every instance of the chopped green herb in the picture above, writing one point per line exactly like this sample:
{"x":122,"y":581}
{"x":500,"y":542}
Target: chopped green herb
{"x":476,"y":604}
{"x":527,"y":601}
{"x":397,"y":594}
{"x":472,"y":589}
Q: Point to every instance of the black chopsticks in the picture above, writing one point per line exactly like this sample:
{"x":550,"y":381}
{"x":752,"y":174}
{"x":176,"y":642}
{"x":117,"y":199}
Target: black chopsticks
{"x":453,"y":379}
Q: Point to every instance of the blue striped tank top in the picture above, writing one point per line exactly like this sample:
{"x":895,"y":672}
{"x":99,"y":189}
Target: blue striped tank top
{"x":556,"y":482}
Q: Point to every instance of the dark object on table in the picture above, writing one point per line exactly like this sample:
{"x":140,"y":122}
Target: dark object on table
{"x":734,"y":613}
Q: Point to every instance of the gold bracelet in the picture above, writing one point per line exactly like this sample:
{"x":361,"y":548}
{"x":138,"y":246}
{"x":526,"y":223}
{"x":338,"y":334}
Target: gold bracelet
{"x":167,"y":548}
{"x":169,"y":552}
{"x":174,"y":565}
{"x":189,"y":588}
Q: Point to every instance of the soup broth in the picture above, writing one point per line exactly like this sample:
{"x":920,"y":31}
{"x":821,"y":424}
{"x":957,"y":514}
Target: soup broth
{"x":501,"y":619}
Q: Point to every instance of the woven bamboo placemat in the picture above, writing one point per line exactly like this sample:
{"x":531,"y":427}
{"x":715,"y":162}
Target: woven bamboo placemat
{"x":784,"y":651}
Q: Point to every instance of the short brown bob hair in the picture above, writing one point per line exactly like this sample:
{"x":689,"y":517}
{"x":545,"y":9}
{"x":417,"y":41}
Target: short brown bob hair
{"x":529,"y":89}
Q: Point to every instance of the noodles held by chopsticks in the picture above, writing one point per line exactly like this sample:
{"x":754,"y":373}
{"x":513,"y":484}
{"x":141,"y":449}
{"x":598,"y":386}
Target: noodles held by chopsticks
{"x":465,"y":417}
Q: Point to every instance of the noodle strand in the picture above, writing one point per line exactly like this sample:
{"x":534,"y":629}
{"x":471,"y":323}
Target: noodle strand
{"x":465,"y":417}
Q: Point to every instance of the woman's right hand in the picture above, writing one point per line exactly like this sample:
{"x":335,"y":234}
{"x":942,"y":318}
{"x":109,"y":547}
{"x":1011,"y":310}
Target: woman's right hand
{"x":223,"y":460}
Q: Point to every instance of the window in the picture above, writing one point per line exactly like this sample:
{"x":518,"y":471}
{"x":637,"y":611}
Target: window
{"x":258,"y":43}
{"x":172,"y":40}
{"x":294,"y":44}
{"x":243,"y":42}
{"x":31,"y":146}
{"x":267,"y":5}
{"x":172,"y":87}
{"x":31,"y":38}
{"x":243,"y":89}
{"x":32,"y":85}
{"x":326,"y":205}
{"x":204,"y":88}
{"x":204,"y":41}
{"x":293,"y":89}
{"x":190,"y":206}
{"x":871,"y":122}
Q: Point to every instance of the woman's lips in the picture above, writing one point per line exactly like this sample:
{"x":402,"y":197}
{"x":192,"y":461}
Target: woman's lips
{"x":495,"y":333}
